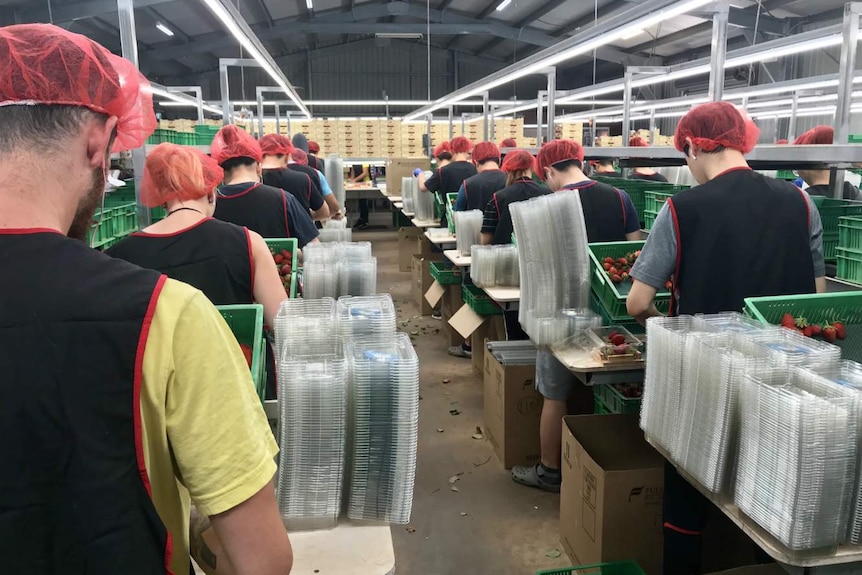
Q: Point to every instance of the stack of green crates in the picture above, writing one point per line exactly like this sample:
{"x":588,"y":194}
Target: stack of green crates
{"x":246,"y":323}
{"x":204,"y":134}
{"x":609,"y":299}
{"x":655,"y":200}
{"x":479,"y":301}
{"x":446,"y":273}
{"x":615,"y":568}
{"x":612,"y":400}
{"x":830,"y":212}
{"x":636,"y":189}
{"x":849,"y":251}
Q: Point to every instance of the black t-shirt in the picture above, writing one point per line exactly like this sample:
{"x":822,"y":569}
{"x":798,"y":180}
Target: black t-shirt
{"x":851,"y":192}
{"x":448,"y":179}
{"x":656,"y":177}
{"x":356,"y":171}
{"x":271,"y":212}
{"x":211,"y":255}
{"x":298,"y":184}
{"x":308,"y":171}
{"x":317,"y":163}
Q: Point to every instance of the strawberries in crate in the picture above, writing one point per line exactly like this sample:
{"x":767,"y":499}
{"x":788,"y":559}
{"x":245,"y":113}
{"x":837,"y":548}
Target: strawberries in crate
{"x":284,"y":264}
{"x":830,"y":331}
{"x":630,"y":390}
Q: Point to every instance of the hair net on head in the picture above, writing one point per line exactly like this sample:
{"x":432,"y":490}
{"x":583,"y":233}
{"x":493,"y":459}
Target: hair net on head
{"x":518,"y":161}
{"x":275,"y":145}
{"x":638,"y":142}
{"x":509,"y":143}
{"x":313,"y":147}
{"x":486,"y":151}
{"x":816,"y":135}
{"x":44,"y":64}
{"x":557,"y":152}
{"x":461,"y":145}
{"x":301,"y":142}
{"x":175,"y":172}
{"x":299,"y":157}
{"x":441,"y":149}
{"x":716,"y":124}
{"x":233,"y":142}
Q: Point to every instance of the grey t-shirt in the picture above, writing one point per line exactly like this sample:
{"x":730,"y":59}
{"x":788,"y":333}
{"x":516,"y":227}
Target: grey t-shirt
{"x":657,"y":261}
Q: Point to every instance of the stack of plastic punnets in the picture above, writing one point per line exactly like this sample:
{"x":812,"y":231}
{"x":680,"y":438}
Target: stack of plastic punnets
{"x":408,"y":199}
{"x":384,"y":418}
{"x":336,"y":269}
{"x":423,"y":202}
{"x":552,"y":256}
{"x":328,"y":234}
{"x":313,"y":391}
{"x":797,"y":457}
{"x":492,"y":266}
{"x":561,"y":325}
{"x":334,"y":169}
{"x":468,"y":228}
{"x":786,"y":347}
{"x":365,"y":316}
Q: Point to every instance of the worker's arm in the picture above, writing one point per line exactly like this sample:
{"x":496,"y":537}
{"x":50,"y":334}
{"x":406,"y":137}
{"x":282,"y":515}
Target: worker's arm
{"x":486,"y":238}
{"x":654,"y":267}
{"x":432,"y":184}
{"x":334,"y":208}
{"x":820,"y":284}
{"x":318,"y":206}
{"x":321,"y":214}
{"x":815,"y":239}
{"x":640,"y":302}
{"x":634,"y":236}
{"x":490,"y":220}
{"x":299,"y":222}
{"x":461,"y":200}
{"x":268,"y":288}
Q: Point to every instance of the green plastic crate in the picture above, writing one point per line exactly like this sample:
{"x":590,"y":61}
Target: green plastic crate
{"x":850,"y":233}
{"x":616,"y":402}
{"x":636,"y":189}
{"x":817,"y":308}
{"x":446,"y":273}
{"x":479,"y":301}
{"x":599,"y":407}
{"x":615,"y":568}
{"x":157,"y":214}
{"x":279,"y":244}
{"x":655,"y":200}
{"x":785,"y":175}
{"x":831,"y":210}
{"x":649,"y":219}
{"x":830,"y":246}
{"x":613,"y":296}
{"x":246,"y":323}
{"x":293,"y":283}
{"x":849,"y":265}
{"x":450,"y":208}
{"x":625,"y":321}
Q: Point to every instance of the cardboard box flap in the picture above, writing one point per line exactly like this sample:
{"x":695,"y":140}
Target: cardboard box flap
{"x":434,"y":293}
{"x":614,"y":442}
{"x":466,"y":321}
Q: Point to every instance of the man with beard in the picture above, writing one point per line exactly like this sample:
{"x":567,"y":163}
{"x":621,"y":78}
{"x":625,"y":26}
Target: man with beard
{"x":124,"y":393}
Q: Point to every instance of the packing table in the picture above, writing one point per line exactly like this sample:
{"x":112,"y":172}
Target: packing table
{"x":456,"y":258}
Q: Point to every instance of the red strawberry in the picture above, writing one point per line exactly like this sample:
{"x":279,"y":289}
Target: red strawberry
{"x":616,"y":278}
{"x":830,"y":334}
{"x":609,"y":261}
{"x":668,"y":285}
{"x":286,"y":254}
{"x":807,"y":331}
{"x":815,"y":329}
{"x":278,"y":258}
{"x":247,"y":352}
{"x":840,"y":330}
{"x":613,"y":271}
{"x":622,"y":261}
{"x":607,"y":266}
{"x":788,"y":321}
{"x":285,"y":270}
{"x":625,"y":276}
{"x":617,"y":339}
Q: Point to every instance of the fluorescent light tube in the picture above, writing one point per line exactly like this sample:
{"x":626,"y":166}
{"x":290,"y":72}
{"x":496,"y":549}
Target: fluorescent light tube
{"x":309,"y":4}
{"x":164,"y":29}
{"x":632,"y":34}
{"x":503,"y":5}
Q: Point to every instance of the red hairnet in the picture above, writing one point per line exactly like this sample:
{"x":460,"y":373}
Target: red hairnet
{"x":313,"y":147}
{"x":638,"y":142}
{"x":461,"y":145}
{"x":441,"y":149}
{"x":299,"y":156}
{"x":44,"y":64}
{"x":816,"y":135}
{"x":233,"y":142}
{"x":175,"y":172}
{"x":716,"y":124}
{"x":518,"y":161}
{"x":275,"y":145}
{"x":508,"y":143}
{"x":782,"y":142}
{"x":486,"y":151}
{"x":557,"y":152}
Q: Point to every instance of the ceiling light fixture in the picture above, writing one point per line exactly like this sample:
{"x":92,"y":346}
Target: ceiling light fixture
{"x":503,"y":5}
{"x":633,"y":34}
{"x":309,"y":4}
{"x":237,"y":26}
{"x":399,"y":35}
{"x":180,"y":100}
{"x":164,"y":29}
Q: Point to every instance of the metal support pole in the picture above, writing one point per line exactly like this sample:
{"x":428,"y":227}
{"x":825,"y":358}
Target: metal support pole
{"x":551,"y":133}
{"x":493,"y":127}
{"x":794,"y":109}
{"x":846,"y":69}
{"x":288,"y":124}
{"x":451,"y":125}
{"x":627,"y":107}
{"x":652,"y":127}
{"x":259,"y":115}
{"x":430,"y":149}
{"x":196,"y":90}
{"x":745,"y":103}
{"x":129,"y":44}
{"x":277,"y":119}
{"x":718,"y":51}
{"x":224,"y":85}
{"x":485,"y":114}
{"x":540,"y":121}
{"x":463,"y":123}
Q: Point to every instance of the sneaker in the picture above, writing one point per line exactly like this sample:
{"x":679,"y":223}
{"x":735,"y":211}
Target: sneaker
{"x":436,"y":314}
{"x":459,"y":351}
{"x":537,"y":476}
{"x":360,"y":225}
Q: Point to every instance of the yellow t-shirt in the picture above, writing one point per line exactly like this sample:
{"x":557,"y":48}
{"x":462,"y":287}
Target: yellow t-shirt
{"x":205,"y":434}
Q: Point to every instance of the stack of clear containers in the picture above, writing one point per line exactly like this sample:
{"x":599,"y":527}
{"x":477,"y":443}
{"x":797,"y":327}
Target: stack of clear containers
{"x":787,"y":347}
{"x":334,"y":172}
{"x":384,"y":418}
{"x":337,"y":269}
{"x":468,"y":228}
{"x":331,"y":224}
{"x":328,"y":234}
{"x":493,"y":266}
{"x":797,"y":457}
{"x":424,"y":203}
{"x":552,"y":255}
{"x":312,"y":398}
{"x":408,"y":201}
{"x":365,"y":316}
{"x":554,"y":328}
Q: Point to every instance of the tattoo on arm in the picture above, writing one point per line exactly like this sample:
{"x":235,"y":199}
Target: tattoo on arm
{"x":199,"y":549}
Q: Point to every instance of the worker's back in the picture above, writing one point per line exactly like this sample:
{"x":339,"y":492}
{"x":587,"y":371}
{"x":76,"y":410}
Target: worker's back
{"x":740,"y":235}
{"x":293,"y":182}
{"x":479,"y":189}
{"x":453,"y":175}
{"x":258,"y":207}
{"x":604,"y":211}
{"x":74,"y":492}
{"x":502,"y":201}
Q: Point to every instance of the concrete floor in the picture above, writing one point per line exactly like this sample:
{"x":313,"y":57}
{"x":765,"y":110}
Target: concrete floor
{"x":490,"y":525}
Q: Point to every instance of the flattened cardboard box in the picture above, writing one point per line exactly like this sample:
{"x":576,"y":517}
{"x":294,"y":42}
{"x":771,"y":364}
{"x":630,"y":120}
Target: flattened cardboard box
{"x":407,"y":247}
{"x":422,"y":280}
{"x":512,"y":409}
{"x":610,"y":500}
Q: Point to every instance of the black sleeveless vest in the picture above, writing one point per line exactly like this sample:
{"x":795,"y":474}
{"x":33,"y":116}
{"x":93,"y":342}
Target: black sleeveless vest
{"x":604,"y":211}
{"x":482,"y":187}
{"x":739,"y":235}
{"x":74,"y":491}
{"x":294,"y":183}
{"x":518,"y":192}
{"x":258,"y":207}
{"x":212,"y":255}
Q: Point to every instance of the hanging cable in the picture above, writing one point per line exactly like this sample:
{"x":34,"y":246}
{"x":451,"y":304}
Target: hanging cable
{"x":50,"y":13}
{"x":595,"y":50}
{"x":428,"y":45}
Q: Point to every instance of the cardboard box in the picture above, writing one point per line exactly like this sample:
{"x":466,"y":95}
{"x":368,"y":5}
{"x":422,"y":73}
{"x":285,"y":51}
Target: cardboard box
{"x":422,"y":280}
{"x":450,"y":300}
{"x":610,"y":500}
{"x":397,"y":168}
{"x":512,"y":408}
{"x":407,"y":247}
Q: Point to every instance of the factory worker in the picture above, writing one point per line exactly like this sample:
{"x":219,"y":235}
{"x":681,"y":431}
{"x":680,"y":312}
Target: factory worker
{"x":818,"y":180}
{"x":314,"y":159}
{"x":644,"y":173}
{"x":125,"y":394}
{"x":476,"y":191}
{"x":448,"y":179}
{"x":507,"y":143}
{"x":710,"y":240}
{"x":605,"y":167}
{"x":275,"y":173}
